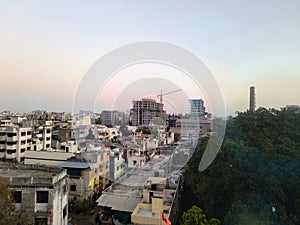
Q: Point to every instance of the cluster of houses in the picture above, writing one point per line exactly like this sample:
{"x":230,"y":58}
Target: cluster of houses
{"x":52,"y":159}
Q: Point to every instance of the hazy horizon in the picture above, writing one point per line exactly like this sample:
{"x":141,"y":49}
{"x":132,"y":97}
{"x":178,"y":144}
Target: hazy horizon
{"x":47,"y":47}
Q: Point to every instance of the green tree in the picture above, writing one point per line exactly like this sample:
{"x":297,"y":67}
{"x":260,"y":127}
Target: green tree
{"x":8,"y":213}
{"x":259,"y":160}
{"x":195,"y":216}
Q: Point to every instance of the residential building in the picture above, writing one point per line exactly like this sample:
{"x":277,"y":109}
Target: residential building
{"x":159,"y":196}
{"x":197,"y":109}
{"x":119,"y":200}
{"x":86,"y":173}
{"x":41,"y":139}
{"x":14,"y":141}
{"x":109,"y":117}
{"x":143,"y":111}
{"x":39,"y":190}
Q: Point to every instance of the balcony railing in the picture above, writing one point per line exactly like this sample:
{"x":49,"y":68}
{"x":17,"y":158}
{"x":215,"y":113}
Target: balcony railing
{"x":11,"y":147}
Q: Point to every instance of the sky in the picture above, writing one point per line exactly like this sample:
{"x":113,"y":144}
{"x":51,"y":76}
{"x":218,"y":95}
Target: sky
{"x":47,"y":47}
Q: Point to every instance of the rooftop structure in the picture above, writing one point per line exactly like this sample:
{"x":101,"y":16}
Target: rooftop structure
{"x":41,"y":191}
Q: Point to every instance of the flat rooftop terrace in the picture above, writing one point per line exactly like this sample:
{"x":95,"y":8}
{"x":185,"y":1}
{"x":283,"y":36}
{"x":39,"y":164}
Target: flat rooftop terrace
{"x":22,"y":174}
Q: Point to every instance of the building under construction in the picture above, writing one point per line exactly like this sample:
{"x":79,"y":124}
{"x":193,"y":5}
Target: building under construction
{"x":143,"y":111}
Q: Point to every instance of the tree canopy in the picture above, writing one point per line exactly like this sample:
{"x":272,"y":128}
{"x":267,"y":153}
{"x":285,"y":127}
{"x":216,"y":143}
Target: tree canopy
{"x":255,"y":178}
{"x":195,"y":216}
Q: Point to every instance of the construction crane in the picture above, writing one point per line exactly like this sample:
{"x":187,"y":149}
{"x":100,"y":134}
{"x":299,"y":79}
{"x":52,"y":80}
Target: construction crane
{"x":161,"y":99}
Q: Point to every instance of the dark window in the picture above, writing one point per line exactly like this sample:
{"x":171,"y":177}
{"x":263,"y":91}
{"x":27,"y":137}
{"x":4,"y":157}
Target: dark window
{"x":17,"y":195}
{"x":48,"y":131}
{"x":22,"y":159}
{"x":23,"y":142}
{"x":23,"y":134}
{"x":23,"y":150}
{"x":72,"y":187}
{"x":47,"y":145}
{"x":28,"y":132}
{"x":2,"y":150}
{"x":11,"y":151}
{"x":42,"y":197}
{"x":11,"y":143}
{"x":11,"y":134}
{"x":64,"y":212}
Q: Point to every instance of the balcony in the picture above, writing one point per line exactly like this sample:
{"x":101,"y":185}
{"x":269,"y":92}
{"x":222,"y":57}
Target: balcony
{"x":11,"y":147}
{"x":3,"y":138}
{"x":12,"y":139}
{"x":11,"y":156}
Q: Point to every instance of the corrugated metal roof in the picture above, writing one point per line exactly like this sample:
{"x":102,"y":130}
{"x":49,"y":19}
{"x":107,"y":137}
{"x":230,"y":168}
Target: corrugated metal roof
{"x":118,"y":202}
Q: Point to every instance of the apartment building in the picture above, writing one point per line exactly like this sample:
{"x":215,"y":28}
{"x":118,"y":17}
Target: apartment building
{"x":39,"y":190}
{"x":14,"y":141}
{"x":41,"y":139}
{"x":109,"y":117}
{"x":88,"y":173}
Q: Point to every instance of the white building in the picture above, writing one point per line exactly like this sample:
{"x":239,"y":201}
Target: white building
{"x":41,"y":138}
{"x":14,"y":141}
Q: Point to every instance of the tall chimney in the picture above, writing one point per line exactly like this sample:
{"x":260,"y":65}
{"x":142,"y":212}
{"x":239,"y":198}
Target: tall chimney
{"x":252,"y":99}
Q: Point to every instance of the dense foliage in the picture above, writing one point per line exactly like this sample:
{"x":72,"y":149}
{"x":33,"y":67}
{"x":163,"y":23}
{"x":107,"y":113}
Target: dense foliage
{"x":195,"y":216}
{"x":255,"y":178}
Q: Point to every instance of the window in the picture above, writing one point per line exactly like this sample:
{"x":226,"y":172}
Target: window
{"x":48,"y":138}
{"x":42,"y":197}
{"x":23,"y":150}
{"x":64,"y":212}
{"x":11,"y":151}
{"x":72,"y":187}
{"x":17,"y":195}
{"x":48,"y":131}
{"x":23,"y":134}
{"x":47,"y":145}
{"x":28,"y":132}
{"x":11,"y":134}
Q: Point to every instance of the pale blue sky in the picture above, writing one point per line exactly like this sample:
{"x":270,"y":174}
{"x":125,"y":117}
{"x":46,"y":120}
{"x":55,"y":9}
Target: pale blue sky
{"x":47,"y":46}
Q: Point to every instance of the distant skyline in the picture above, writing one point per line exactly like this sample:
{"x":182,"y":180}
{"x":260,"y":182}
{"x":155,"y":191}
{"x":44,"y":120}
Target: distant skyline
{"x":47,"y":47}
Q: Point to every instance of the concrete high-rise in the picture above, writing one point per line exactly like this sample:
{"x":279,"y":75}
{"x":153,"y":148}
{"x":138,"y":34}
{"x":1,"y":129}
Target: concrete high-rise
{"x":252,"y":99}
{"x":197,"y":109}
{"x":143,"y":111}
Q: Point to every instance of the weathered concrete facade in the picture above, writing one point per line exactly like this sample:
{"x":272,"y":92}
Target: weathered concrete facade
{"x":41,"y":191}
